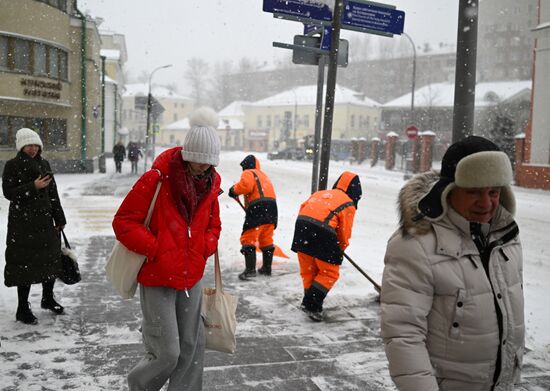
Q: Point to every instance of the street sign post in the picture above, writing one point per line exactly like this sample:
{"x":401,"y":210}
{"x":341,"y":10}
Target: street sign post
{"x":374,"y":18}
{"x":306,"y":12}
{"x":411,"y":131}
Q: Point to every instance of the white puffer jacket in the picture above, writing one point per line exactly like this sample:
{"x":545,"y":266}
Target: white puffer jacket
{"x":439,"y":321}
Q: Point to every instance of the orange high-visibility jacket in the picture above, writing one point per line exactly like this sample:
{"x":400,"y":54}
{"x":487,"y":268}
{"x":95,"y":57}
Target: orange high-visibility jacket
{"x":325,"y":220}
{"x":259,"y":194}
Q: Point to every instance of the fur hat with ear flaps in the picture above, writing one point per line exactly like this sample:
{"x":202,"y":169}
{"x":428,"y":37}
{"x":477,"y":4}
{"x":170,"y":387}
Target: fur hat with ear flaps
{"x":202,"y":144}
{"x":473,"y":162}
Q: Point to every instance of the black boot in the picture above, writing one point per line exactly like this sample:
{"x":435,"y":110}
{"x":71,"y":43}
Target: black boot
{"x":249,"y":253}
{"x":313,"y":302}
{"x":267,"y":257}
{"x":48,"y":301}
{"x":24,"y":313}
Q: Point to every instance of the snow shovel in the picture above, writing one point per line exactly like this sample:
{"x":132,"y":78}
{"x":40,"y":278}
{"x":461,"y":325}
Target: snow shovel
{"x":374,"y":283}
{"x":277,"y":252}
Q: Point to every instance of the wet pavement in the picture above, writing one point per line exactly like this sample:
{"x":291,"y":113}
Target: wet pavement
{"x":278,"y":348}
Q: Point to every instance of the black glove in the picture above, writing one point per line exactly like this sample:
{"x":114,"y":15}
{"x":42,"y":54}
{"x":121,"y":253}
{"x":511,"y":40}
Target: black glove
{"x":232,"y":193}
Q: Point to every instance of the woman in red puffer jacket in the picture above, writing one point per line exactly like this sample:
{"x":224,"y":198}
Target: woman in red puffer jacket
{"x":183,"y":233}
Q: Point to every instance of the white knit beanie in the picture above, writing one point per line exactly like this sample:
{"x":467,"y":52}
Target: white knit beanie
{"x":202,"y":144}
{"x":26,"y":136}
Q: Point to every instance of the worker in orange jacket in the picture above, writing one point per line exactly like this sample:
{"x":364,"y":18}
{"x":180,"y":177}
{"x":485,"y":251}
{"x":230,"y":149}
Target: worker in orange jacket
{"x":321,"y":235}
{"x":261,"y":216}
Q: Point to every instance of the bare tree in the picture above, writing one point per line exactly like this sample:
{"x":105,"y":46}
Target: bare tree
{"x":221,"y":94}
{"x":197,"y":74}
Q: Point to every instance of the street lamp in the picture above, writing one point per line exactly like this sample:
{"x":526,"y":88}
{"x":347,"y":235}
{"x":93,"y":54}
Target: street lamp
{"x":413,"y":83}
{"x":148,"y":115}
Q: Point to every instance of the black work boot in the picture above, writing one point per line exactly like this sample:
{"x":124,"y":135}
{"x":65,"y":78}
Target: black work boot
{"x":249,"y":253}
{"x":24,"y":314}
{"x":48,"y":301}
{"x":267,"y":257}
{"x":313,"y":300}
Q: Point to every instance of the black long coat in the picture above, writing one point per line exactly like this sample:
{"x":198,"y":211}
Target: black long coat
{"x":33,"y":246}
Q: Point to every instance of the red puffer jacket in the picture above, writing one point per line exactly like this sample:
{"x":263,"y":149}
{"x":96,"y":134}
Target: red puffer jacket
{"x":176,"y":250}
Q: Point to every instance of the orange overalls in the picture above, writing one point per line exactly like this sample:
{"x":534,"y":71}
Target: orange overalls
{"x":260,"y":205}
{"x":322,"y":233}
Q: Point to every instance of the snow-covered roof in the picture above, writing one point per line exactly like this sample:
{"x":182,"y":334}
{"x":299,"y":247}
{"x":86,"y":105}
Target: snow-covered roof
{"x":442,"y":94}
{"x":110,"y":54}
{"x":183,"y":124}
{"x":307,"y":95}
{"x":231,"y":122}
{"x":141,"y":89}
{"x":234,"y":109}
{"x":109,"y":80}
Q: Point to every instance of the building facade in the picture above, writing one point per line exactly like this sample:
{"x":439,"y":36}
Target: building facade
{"x":50,"y":81}
{"x":533,"y":151}
{"x":175,"y":107}
{"x":505,"y":42}
{"x":113,"y":55}
{"x":285,"y":119}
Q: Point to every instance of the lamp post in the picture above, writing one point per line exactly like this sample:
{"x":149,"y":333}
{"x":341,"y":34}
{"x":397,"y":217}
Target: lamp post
{"x":148,"y":117}
{"x":413,"y":83}
{"x":295,"y":122}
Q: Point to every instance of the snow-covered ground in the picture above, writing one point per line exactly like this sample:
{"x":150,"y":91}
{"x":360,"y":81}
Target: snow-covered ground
{"x":376,"y":219}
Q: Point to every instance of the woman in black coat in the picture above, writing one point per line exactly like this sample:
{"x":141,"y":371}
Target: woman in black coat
{"x":33,"y":245}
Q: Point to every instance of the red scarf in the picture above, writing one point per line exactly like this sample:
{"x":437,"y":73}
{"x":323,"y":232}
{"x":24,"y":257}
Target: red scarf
{"x":187,"y":190}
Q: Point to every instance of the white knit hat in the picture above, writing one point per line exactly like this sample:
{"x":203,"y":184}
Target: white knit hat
{"x":202,"y":144}
{"x":26,"y":136}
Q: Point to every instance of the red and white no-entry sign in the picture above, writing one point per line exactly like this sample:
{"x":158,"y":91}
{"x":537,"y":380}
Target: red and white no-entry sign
{"x":412,"y":131}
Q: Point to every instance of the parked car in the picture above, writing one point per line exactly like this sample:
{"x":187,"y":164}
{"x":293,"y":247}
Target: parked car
{"x":290,"y":153}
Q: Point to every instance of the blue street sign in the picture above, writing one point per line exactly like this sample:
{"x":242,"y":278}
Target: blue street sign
{"x":325,"y":32}
{"x":299,"y":10}
{"x":375,"y":18}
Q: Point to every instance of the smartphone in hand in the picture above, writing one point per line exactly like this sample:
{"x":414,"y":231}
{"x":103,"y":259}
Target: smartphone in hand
{"x":48,"y":174}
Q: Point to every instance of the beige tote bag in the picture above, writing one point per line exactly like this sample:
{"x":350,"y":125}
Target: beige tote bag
{"x":218,"y":313}
{"x":124,"y":265}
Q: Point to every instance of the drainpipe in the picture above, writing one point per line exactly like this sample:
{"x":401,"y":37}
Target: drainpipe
{"x":115,"y":114}
{"x":83,"y":84}
{"x":102,"y":162}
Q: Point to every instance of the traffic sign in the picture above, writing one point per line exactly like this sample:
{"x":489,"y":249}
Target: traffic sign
{"x":299,"y":10}
{"x":412,"y":131}
{"x":374,"y":18}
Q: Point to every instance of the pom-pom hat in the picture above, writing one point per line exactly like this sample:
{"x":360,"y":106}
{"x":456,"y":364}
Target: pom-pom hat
{"x":26,"y":136}
{"x":202,"y":144}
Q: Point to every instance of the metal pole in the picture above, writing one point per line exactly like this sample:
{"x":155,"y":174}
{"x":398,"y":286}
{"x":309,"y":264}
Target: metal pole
{"x":331,"y":86}
{"x":413,"y":84}
{"x":465,"y":73}
{"x":148,"y":115}
{"x":148,"y":119}
{"x":318,"y":120}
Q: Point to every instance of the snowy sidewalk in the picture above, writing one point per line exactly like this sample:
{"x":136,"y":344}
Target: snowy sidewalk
{"x":97,"y":341}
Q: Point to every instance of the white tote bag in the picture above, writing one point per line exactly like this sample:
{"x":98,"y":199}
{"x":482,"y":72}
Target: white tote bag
{"x":123,"y":265}
{"x":218,"y":313}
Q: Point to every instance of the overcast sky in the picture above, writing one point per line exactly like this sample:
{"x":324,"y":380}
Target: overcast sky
{"x":163,"y":32}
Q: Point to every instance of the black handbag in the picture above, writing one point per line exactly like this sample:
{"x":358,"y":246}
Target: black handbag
{"x":71,"y":272}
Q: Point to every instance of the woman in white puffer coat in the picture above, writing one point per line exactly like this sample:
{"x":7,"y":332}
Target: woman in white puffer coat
{"x":452,"y":292}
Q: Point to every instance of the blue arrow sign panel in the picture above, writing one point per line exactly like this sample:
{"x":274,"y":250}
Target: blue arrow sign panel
{"x":372,"y":17}
{"x":299,"y":10}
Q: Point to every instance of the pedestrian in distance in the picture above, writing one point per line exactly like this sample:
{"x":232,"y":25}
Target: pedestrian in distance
{"x":261,"y":216}
{"x":35,"y":219}
{"x":119,"y":153}
{"x":322,"y":232}
{"x":182,"y":234}
{"x":134,"y":153}
{"x":452,"y":291}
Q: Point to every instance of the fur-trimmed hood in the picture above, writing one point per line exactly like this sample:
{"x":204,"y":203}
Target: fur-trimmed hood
{"x":413,"y":222}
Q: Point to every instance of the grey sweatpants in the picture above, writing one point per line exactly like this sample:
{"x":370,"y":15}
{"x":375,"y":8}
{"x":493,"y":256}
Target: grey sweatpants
{"x":173,"y":335}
